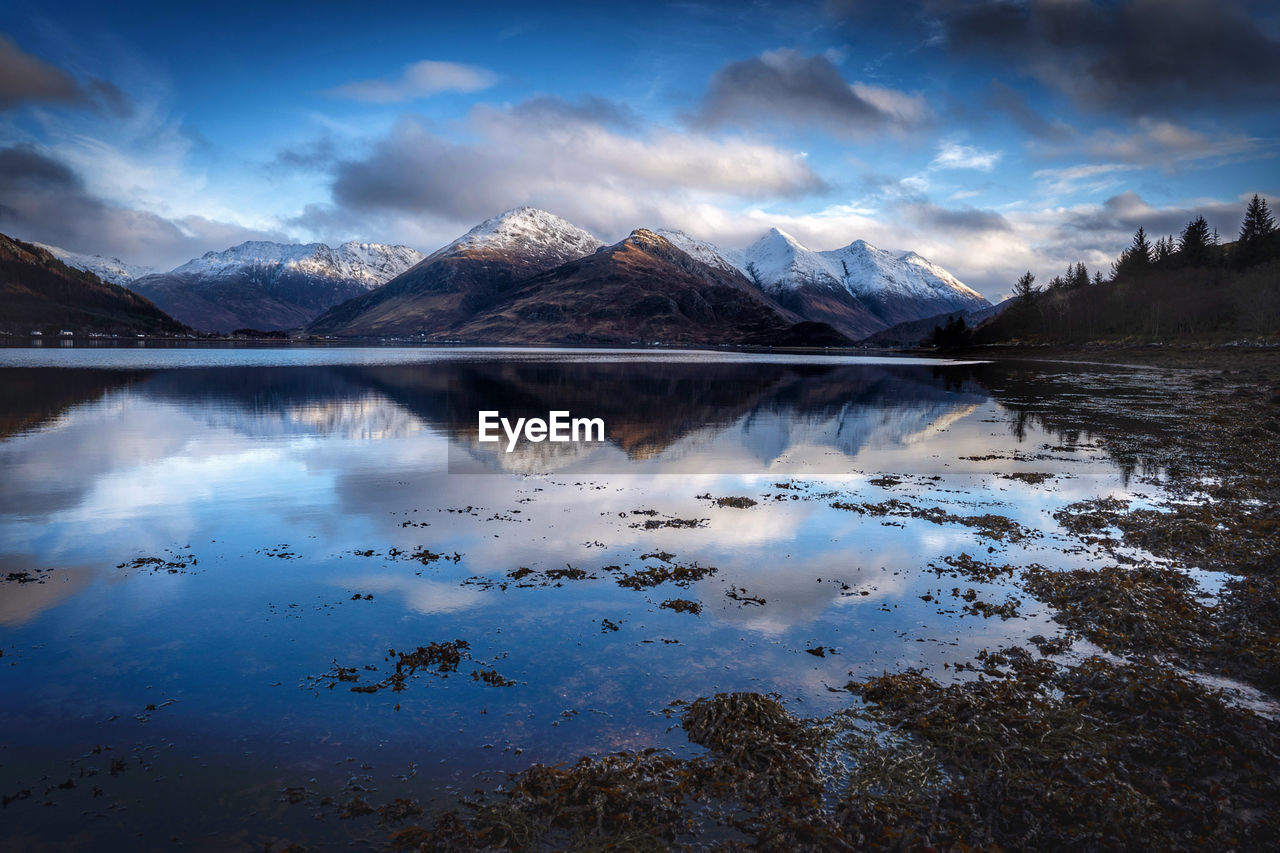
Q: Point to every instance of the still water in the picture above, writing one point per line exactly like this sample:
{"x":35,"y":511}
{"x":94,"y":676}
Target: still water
{"x":202,"y":553}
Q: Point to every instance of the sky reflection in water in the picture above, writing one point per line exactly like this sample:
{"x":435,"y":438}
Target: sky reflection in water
{"x":275,"y":471}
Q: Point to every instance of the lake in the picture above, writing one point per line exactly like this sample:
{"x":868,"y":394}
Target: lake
{"x":228,"y":576}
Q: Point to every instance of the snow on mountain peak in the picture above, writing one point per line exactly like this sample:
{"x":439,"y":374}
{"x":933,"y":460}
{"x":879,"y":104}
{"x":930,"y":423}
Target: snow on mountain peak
{"x":778,"y":262}
{"x":369,"y":264}
{"x":728,"y":260}
{"x":112,"y":270}
{"x":527,"y":230}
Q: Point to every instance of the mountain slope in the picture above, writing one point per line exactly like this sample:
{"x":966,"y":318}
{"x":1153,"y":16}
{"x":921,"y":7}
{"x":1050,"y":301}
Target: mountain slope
{"x":38,"y":291}
{"x":454,"y":283}
{"x":911,"y":333}
{"x":112,"y":270}
{"x":645,"y":289}
{"x":267,"y":285}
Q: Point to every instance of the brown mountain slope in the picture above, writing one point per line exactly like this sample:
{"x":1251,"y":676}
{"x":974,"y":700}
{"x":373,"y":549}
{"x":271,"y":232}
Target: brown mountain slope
{"x":642,"y":289}
{"x":38,"y":291}
{"x":468,"y":276}
{"x":431,"y":298}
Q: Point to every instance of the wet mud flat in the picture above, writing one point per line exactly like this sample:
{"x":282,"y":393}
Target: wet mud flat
{"x":1117,"y":692}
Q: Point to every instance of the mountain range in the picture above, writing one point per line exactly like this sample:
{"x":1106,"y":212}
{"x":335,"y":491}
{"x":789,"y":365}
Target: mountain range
{"x":529,"y":276}
{"x":272,"y":286}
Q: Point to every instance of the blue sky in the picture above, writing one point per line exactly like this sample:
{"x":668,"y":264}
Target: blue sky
{"x":990,"y":137}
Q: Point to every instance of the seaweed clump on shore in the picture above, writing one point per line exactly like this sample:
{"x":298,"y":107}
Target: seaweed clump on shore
{"x":1150,"y":610}
{"x":1031,"y":755}
{"x":1095,"y":756}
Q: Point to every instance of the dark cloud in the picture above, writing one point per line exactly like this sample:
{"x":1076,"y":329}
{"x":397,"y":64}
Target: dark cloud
{"x":589,"y":108}
{"x":1139,"y":57}
{"x":1012,"y":102}
{"x":788,"y":87}
{"x":964,"y":219}
{"x":46,"y":201}
{"x":25,"y":78}
{"x":318,"y":154}
{"x":413,"y":170}
{"x":22,"y":167}
{"x":1120,"y":215}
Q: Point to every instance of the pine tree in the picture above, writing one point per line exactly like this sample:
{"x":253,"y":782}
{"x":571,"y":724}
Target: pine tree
{"x":1025,"y":290}
{"x":1080,"y":276}
{"x":1140,"y":251}
{"x":1097,"y":277}
{"x":1194,"y":244}
{"x":1163,"y":250}
{"x":1255,"y":232}
{"x":1136,"y":258}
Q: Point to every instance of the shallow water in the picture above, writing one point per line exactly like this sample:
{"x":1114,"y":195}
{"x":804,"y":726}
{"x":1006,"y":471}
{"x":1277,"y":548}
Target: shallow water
{"x":286,"y":491}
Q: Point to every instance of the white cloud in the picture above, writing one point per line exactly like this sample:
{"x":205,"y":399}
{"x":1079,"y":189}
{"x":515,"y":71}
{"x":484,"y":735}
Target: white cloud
{"x":419,"y":80}
{"x":587,"y":162}
{"x":953,"y":155}
{"x":1086,"y":177}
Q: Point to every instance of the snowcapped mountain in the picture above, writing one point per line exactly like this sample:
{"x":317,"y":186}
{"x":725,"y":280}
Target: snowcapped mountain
{"x":368,"y":264}
{"x":463,"y":278}
{"x":708,"y":253}
{"x":859,"y":288}
{"x":265,"y":285}
{"x":783,"y":263}
{"x":527,"y":231}
{"x":111,"y":270}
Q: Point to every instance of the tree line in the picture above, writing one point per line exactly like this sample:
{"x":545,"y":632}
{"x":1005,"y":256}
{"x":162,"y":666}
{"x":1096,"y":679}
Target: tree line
{"x":1189,"y":285}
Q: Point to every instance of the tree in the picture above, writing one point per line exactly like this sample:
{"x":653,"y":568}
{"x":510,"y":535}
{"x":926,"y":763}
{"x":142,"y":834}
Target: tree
{"x":1136,"y":258}
{"x":1080,"y":275}
{"x":1164,"y":250}
{"x":1256,"y":232}
{"x":1194,"y":244}
{"x":1097,"y":277}
{"x":955,"y":334}
{"x":1025,"y":289}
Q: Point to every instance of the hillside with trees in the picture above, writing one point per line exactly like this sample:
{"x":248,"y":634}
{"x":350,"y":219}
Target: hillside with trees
{"x":38,"y":292}
{"x":1192,"y":287}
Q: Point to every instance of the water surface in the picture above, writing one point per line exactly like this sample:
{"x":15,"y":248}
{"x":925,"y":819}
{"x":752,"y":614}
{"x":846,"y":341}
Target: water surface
{"x":210,"y":538}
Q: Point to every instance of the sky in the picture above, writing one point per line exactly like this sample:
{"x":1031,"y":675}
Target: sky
{"x":990,"y":137}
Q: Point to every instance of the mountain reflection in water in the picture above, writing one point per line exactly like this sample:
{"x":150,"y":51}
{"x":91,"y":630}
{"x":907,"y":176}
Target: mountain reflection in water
{"x":317,"y":515}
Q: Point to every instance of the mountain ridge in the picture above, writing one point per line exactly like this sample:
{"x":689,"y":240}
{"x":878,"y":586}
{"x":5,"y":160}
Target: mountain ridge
{"x":272,"y":286}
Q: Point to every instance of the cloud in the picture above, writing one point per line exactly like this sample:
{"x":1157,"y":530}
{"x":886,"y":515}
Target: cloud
{"x":25,"y":78}
{"x":1120,"y":215}
{"x":1138,"y":57}
{"x":784,"y":86}
{"x":47,"y":201}
{"x":958,"y":220}
{"x":588,"y":161}
{"x":952,"y":155}
{"x":1086,"y":177}
{"x":1012,"y":102}
{"x":419,"y":80}
{"x":1160,"y":142}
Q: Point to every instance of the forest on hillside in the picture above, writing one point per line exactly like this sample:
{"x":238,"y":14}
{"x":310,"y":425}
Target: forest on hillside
{"x":1189,"y":287}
